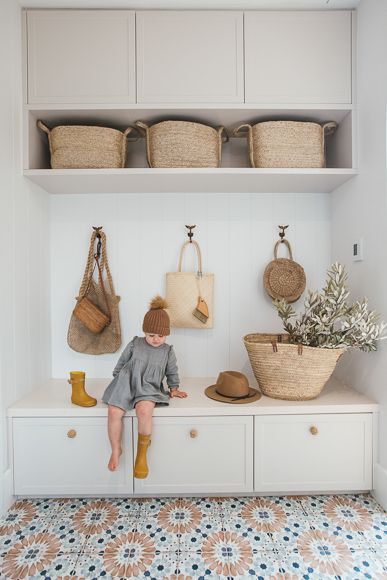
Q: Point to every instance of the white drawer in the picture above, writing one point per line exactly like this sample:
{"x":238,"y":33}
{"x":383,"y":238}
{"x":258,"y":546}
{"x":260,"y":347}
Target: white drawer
{"x":199,"y":455}
{"x":48,"y":461}
{"x":313,"y":452}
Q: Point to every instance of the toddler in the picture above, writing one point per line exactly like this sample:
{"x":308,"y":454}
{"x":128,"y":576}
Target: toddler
{"x":138,"y":383}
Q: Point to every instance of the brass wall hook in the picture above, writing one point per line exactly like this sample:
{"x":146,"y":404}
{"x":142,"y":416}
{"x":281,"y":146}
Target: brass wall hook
{"x":282,"y":233}
{"x":97,"y":230}
{"x":190,"y":234}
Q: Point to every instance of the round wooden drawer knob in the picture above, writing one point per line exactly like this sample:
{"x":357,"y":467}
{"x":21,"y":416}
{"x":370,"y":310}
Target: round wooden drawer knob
{"x":71,"y":434}
{"x":193,"y":433}
{"x":313,"y":430}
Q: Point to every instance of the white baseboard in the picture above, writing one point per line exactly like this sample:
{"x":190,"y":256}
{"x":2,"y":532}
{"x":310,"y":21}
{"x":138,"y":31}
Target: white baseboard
{"x":6,"y":498}
{"x":380,"y":485}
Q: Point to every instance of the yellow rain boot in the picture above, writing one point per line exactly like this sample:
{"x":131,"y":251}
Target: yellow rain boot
{"x":141,"y":467}
{"x":79,"y":395}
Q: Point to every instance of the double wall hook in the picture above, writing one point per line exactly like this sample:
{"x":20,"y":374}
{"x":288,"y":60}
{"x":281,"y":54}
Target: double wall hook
{"x":98,"y":234}
{"x":282,"y":233}
{"x":190,"y":234}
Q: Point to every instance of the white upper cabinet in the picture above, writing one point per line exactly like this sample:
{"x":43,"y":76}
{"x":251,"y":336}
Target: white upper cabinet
{"x":81,"y":56}
{"x":298,"y":57}
{"x":189,"y":57}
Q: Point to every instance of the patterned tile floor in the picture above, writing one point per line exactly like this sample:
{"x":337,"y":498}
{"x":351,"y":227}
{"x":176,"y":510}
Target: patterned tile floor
{"x":340,"y":537}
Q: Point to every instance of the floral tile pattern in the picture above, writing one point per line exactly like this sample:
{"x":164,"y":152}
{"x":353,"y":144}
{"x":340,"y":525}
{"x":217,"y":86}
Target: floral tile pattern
{"x":340,"y":537}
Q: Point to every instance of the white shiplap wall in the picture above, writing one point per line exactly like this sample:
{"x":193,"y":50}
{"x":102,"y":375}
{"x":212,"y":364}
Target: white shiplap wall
{"x":237,"y":233}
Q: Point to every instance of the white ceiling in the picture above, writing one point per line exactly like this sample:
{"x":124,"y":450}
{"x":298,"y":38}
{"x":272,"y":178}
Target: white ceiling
{"x":196,"y":4}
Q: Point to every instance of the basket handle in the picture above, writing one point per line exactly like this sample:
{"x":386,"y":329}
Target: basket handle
{"x":275,"y":349}
{"x":42,"y":126}
{"x":46,"y":130}
{"x":288,"y":247}
{"x":125,"y":135}
{"x":223,"y":134}
{"x":198,"y":252}
{"x":128,"y":131}
{"x":143,"y":129}
{"x":222,"y":138}
{"x":329,"y":128}
{"x":236,"y":133}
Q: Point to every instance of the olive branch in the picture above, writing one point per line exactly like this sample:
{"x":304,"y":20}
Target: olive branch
{"x":329,"y":321}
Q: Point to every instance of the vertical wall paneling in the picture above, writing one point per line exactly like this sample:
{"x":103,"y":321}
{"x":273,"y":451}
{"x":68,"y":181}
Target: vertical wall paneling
{"x":237,"y":233}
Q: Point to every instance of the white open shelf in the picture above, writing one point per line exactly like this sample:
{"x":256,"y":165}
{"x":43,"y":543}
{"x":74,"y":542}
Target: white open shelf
{"x":221,"y":180}
{"x":234,"y":175}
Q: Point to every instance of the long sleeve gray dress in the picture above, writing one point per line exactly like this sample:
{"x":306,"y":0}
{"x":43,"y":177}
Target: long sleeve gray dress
{"x":139,"y":374}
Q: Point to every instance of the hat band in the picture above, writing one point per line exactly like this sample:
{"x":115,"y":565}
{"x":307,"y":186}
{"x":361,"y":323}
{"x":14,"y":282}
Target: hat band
{"x":234,"y":398}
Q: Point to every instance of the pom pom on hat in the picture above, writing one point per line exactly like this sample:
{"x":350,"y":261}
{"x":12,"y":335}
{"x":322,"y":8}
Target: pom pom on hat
{"x":156,"y":320}
{"x":158,"y":302}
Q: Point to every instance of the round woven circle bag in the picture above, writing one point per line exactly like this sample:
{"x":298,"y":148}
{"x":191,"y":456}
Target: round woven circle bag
{"x":283,"y":277}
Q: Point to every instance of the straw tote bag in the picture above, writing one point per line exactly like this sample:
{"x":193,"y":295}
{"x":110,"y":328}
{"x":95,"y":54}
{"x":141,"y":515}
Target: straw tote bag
{"x":184,"y":290}
{"x":96,"y":298}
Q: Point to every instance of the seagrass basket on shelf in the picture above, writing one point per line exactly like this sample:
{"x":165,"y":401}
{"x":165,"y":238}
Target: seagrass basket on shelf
{"x":293,"y":372}
{"x":86,"y":147}
{"x":183,"y":144}
{"x":286,"y":144}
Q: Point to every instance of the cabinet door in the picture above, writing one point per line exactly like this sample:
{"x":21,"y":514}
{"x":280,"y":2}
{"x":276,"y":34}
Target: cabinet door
{"x":298,"y":57}
{"x":199,"y":455}
{"x":313,"y":453}
{"x":68,"y":456}
{"x":81,"y":56}
{"x":194,"y":57}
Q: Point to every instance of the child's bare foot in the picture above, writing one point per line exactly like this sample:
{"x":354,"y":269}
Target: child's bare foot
{"x":114,"y":459}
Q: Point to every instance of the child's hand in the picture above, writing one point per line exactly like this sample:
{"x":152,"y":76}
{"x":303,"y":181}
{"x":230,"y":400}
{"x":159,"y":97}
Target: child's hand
{"x":177,"y":393}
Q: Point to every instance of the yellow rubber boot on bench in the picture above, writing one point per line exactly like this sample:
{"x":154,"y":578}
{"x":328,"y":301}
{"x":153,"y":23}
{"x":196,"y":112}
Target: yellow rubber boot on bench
{"x":141,"y":466}
{"x":79,"y":395}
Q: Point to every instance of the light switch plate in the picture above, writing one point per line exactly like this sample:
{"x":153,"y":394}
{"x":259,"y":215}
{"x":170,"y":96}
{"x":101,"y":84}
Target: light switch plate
{"x":358,"y":250}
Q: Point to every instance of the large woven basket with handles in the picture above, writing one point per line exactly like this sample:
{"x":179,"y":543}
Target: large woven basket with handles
{"x":287,"y":143}
{"x":183,"y":144}
{"x":293,"y":372}
{"x":86,"y":147}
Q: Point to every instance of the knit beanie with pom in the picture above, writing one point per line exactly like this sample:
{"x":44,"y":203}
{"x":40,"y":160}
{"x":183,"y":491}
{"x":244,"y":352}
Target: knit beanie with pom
{"x":156,"y":320}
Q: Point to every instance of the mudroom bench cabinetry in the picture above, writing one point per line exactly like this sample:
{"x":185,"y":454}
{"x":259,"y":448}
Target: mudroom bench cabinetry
{"x":198,"y":445}
{"x":67,"y":455}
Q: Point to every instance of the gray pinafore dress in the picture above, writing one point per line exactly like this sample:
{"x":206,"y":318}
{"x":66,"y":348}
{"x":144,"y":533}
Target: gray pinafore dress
{"x":139,"y":374}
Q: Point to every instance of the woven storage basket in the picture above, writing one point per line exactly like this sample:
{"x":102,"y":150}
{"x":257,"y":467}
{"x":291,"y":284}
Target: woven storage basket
{"x":183,"y":144}
{"x":86,"y":147}
{"x":290,"y":371}
{"x":287,"y":143}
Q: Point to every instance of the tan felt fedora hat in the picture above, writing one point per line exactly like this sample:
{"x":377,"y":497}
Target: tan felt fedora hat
{"x":232,"y":387}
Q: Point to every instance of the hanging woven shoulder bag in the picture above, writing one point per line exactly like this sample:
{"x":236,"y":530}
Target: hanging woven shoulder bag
{"x":95,"y":323}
